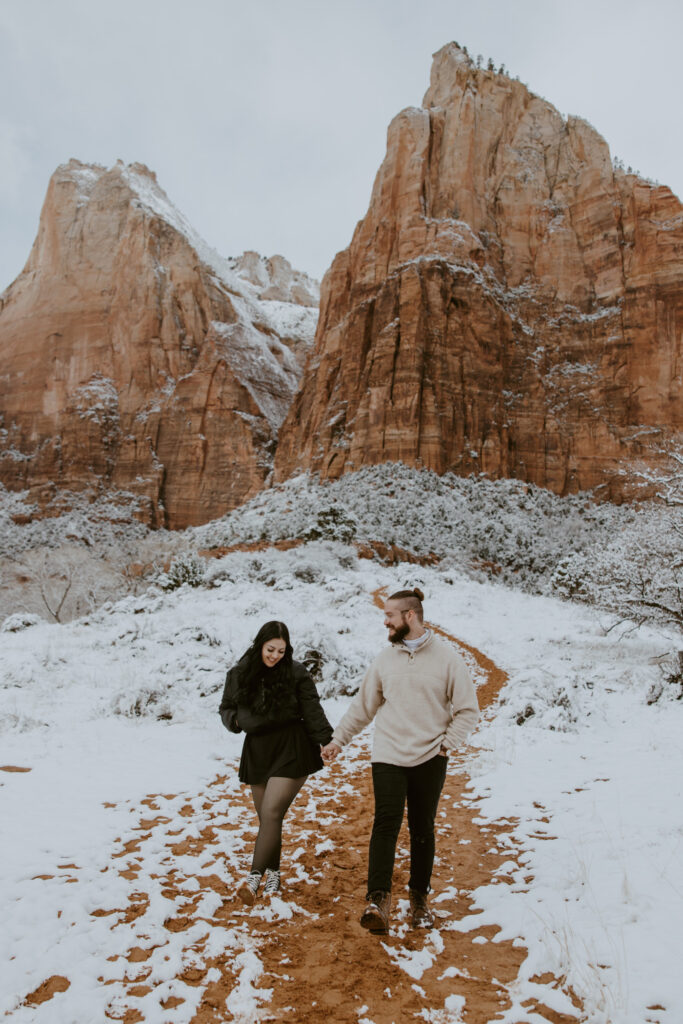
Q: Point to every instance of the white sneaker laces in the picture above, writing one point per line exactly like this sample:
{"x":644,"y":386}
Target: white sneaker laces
{"x":253,"y":880}
{"x":272,"y":885}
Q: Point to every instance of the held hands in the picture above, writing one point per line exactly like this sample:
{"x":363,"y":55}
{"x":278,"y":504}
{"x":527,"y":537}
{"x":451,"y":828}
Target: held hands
{"x":330,"y":751}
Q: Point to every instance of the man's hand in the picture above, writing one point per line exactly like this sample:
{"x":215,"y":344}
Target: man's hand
{"x":329,"y":752}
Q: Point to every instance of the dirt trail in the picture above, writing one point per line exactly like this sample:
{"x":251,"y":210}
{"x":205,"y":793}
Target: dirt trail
{"x":317,"y":961}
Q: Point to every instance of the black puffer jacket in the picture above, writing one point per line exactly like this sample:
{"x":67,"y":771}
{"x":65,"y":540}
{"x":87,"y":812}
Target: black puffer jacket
{"x":302,"y":704}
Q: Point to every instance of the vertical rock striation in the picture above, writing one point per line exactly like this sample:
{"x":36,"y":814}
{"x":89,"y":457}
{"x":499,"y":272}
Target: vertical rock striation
{"x":510,"y":303}
{"x":132,"y":357}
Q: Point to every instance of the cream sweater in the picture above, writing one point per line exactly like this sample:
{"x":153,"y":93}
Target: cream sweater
{"x":422,"y":700}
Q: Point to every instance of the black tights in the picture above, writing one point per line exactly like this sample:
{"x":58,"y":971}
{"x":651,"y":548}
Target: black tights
{"x":271,"y":800}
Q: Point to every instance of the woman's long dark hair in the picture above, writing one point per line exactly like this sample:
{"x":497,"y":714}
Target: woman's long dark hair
{"x":263,"y":689}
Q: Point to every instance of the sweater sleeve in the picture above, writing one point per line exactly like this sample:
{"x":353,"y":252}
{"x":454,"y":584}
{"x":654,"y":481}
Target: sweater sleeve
{"x":315,"y":719}
{"x":464,"y":704}
{"x":362,"y":708}
{"x":228,"y":706}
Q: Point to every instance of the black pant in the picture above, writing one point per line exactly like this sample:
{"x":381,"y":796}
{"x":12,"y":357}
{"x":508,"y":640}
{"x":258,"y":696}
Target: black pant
{"x":421,"y":786}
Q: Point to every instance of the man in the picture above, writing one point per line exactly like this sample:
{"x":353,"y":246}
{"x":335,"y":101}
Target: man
{"x":422,"y":694}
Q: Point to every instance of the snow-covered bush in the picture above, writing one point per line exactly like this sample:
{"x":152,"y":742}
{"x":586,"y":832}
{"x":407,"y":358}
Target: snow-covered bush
{"x":20,"y":620}
{"x":535,"y":699}
{"x":671,"y":683}
{"x":186,"y":569}
{"x":336,"y":666}
{"x":570,"y":577}
{"x":333,"y":524}
{"x":146,"y":702}
{"x":637,"y":572}
{"x":313,"y":562}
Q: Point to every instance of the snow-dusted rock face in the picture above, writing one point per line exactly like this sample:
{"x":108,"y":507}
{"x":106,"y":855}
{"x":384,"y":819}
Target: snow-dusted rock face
{"x":133,"y":357}
{"x":510,"y":304}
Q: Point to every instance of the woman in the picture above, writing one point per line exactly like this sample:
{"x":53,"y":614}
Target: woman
{"x":274,"y":701}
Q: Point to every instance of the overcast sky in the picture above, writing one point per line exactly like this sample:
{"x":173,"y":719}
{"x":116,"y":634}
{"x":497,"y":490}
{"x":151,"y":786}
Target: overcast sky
{"x":265,"y":120}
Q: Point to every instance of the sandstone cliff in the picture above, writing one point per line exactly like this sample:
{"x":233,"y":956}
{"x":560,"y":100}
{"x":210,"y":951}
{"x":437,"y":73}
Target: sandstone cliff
{"x":132,"y":357}
{"x":510,"y":304}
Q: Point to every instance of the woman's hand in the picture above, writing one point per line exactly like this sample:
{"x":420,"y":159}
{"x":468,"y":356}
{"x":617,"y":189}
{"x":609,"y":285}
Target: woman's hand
{"x":330,"y":751}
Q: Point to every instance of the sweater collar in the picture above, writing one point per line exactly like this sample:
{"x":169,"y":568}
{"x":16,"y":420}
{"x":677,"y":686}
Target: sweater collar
{"x":421,"y":647}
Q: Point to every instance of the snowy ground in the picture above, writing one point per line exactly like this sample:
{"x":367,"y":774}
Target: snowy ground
{"x":107,"y":710}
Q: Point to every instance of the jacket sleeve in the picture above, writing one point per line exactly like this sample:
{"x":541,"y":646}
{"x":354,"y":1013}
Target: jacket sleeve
{"x":464,"y":703}
{"x":228,"y":707}
{"x":315,"y":719}
{"x":362,"y":708}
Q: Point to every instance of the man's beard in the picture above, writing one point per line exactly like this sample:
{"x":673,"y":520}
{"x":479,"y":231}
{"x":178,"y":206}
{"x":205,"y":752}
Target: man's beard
{"x":396,"y":635}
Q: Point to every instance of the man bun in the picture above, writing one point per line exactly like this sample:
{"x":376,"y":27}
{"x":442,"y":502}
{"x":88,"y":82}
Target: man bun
{"x":418,"y":594}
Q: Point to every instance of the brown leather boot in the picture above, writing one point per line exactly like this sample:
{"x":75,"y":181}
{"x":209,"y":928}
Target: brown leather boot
{"x":376,"y":914}
{"x":421,"y":915}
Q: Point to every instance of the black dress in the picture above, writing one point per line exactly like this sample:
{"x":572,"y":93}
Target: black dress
{"x":284,"y":742}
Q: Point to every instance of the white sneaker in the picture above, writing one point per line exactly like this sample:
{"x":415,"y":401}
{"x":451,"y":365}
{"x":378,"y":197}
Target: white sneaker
{"x":249,"y":887}
{"x":272,"y":886}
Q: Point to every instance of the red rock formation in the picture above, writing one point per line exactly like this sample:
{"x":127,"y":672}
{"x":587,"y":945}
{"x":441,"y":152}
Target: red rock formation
{"x":510,"y":304}
{"x":132,"y":357}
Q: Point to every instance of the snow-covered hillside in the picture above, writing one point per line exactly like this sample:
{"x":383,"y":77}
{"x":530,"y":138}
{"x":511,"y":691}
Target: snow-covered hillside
{"x":106,"y":710}
{"x":625,"y":559}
